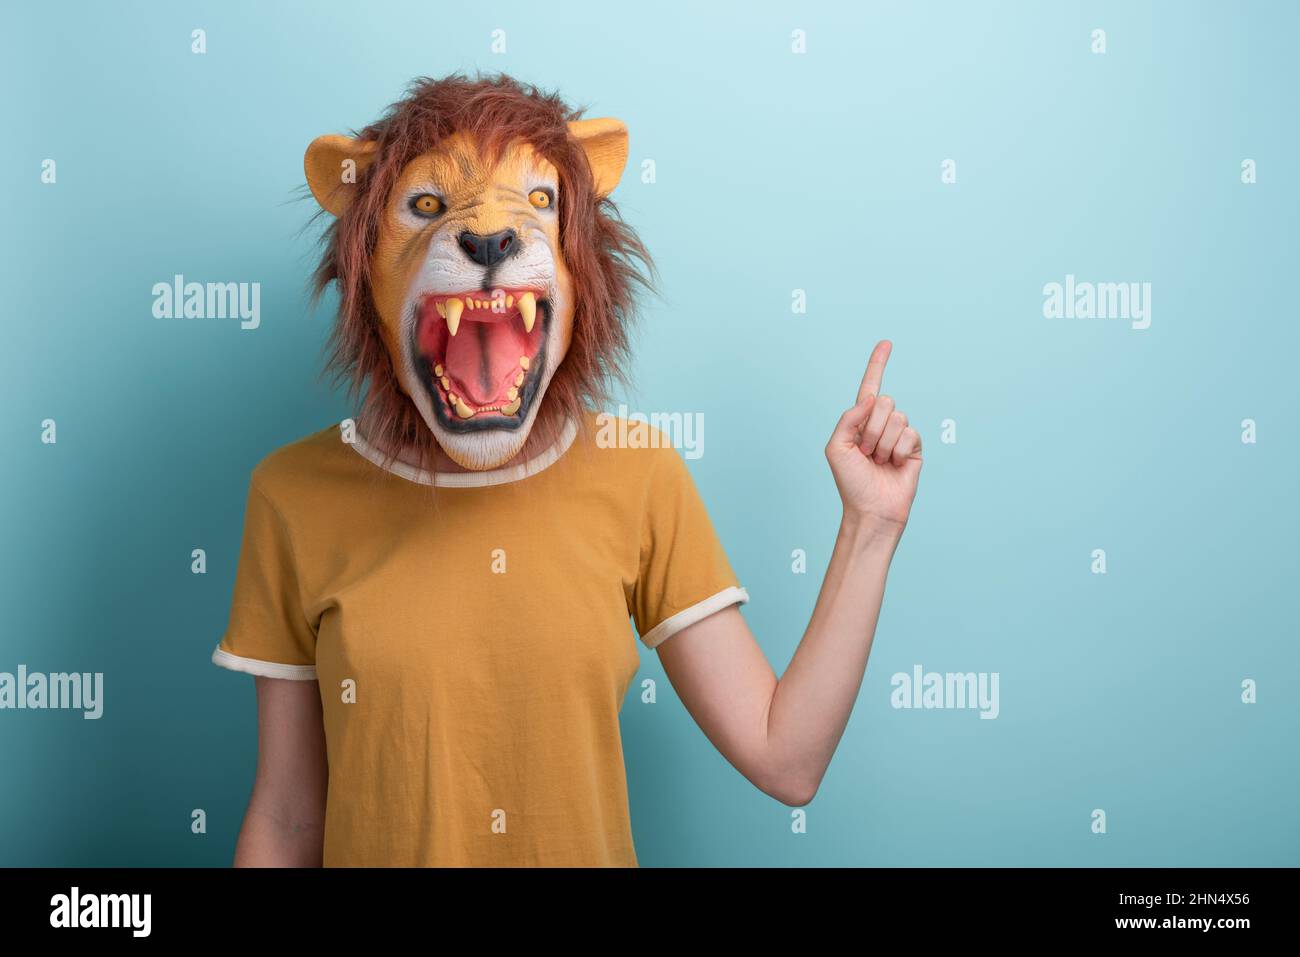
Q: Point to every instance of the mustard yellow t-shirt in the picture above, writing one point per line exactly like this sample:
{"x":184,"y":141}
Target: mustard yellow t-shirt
{"x":472,"y":641}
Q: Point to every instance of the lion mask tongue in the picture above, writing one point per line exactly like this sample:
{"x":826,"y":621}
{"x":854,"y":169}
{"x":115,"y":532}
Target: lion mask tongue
{"x":483,"y":359}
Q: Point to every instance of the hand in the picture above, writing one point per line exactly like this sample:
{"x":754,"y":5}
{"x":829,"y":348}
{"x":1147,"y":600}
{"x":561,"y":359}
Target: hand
{"x":874,"y":454}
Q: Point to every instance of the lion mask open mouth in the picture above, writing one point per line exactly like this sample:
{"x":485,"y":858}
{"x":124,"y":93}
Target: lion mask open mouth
{"x":481,"y":355}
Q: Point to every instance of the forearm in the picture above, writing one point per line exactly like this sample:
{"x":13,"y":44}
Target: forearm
{"x":811,"y":703}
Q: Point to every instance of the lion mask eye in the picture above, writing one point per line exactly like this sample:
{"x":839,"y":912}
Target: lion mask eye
{"x":426,"y":204}
{"x":540,"y":198}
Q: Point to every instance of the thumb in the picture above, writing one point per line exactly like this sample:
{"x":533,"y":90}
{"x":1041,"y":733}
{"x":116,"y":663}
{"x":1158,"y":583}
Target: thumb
{"x":851,"y":422}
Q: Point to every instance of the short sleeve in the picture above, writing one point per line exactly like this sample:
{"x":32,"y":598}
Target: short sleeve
{"x":268,"y":633}
{"x":684,"y":574}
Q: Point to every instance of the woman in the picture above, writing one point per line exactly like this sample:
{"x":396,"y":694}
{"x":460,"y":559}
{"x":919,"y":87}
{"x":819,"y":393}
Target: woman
{"x":435,"y":600}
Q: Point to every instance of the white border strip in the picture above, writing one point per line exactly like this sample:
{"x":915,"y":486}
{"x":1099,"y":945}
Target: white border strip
{"x":499,"y":476}
{"x":689,"y":616}
{"x":263,"y":669}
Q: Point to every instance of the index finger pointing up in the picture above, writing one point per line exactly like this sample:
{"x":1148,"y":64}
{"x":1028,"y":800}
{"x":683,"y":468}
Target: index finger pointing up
{"x":875,"y":369}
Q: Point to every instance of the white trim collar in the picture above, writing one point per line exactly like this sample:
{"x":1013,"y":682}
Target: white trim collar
{"x":498,"y":476}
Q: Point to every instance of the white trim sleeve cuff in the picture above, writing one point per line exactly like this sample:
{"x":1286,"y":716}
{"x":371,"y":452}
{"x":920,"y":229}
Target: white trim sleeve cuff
{"x":263,"y":669}
{"x":689,"y":616}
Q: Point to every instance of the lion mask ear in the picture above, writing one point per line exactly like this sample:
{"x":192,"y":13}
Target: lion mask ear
{"x":605,"y":142}
{"x":333,"y":164}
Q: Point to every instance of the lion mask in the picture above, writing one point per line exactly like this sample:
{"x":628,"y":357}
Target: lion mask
{"x":480,"y":263}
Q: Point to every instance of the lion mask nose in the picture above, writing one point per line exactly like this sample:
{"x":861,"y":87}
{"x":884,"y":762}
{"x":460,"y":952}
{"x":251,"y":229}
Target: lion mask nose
{"x":489,"y":250}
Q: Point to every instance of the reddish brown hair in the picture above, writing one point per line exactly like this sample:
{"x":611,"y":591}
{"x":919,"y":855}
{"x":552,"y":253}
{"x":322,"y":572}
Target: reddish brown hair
{"x":606,"y":260}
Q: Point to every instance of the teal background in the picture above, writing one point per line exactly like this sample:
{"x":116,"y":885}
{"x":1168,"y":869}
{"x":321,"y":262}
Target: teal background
{"x":774,"y":172}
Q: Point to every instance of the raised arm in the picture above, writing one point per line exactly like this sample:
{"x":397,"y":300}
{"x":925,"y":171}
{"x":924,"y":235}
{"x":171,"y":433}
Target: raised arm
{"x":781,"y":734}
{"x":284,"y":825}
